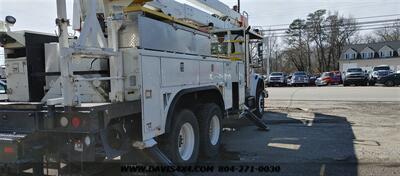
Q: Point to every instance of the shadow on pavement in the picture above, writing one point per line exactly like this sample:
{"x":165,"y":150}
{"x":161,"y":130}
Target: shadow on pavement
{"x":315,"y":144}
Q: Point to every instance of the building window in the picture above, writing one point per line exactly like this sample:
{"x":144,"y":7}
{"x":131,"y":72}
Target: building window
{"x":367,"y":55}
{"x":391,"y":54}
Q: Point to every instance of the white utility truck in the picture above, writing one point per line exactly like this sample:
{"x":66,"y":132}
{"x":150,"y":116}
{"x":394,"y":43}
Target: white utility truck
{"x":156,"y":77}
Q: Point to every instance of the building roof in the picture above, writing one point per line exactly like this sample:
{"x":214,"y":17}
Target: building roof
{"x":395,"y":45}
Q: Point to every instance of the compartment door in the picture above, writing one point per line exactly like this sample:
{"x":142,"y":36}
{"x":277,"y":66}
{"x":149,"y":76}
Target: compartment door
{"x":228,"y":84}
{"x":242,"y":83}
{"x":151,"y":97}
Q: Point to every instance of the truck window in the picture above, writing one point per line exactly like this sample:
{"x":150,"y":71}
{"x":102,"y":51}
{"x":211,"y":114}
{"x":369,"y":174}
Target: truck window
{"x":381,"y":68}
{"x":354,"y":70}
{"x":2,"y":89}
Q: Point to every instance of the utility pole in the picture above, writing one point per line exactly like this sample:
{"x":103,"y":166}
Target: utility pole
{"x":267,"y":53}
{"x":238,"y":5}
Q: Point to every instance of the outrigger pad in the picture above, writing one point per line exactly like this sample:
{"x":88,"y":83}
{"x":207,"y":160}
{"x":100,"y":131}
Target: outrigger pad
{"x":253,"y":118}
{"x":150,"y":155}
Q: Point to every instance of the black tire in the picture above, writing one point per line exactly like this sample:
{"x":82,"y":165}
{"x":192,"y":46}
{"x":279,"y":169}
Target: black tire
{"x":38,"y":169}
{"x":205,"y":114}
{"x":169,"y":142}
{"x":389,"y":83}
{"x":260,"y":105}
{"x":372,"y":83}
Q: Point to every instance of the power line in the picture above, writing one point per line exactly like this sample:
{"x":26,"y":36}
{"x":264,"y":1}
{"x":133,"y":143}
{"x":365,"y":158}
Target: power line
{"x":356,"y":24}
{"x":365,"y":29}
{"x":366,"y":17}
{"x":379,"y":16}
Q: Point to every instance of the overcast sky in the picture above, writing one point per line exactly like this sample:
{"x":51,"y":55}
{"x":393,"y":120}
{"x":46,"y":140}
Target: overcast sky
{"x":39,"y":15}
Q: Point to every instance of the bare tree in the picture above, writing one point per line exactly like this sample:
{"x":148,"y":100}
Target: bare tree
{"x":271,"y":46}
{"x":369,"y":38}
{"x":298,"y":41}
{"x":315,"y":23}
{"x":339,"y":30}
{"x":318,"y":41}
{"x":389,"y":32}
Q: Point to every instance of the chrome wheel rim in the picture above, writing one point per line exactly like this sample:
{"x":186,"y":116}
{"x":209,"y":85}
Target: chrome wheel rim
{"x":261,"y":103}
{"x":214,"y":130}
{"x":186,"y":141}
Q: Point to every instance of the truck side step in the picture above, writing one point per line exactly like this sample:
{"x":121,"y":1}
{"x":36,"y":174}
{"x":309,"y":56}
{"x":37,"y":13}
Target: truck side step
{"x":253,"y":118}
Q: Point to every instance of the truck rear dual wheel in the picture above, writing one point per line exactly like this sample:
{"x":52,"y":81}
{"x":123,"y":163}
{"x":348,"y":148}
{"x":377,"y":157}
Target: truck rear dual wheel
{"x":210,"y":116}
{"x":192,"y":136}
{"x":182,"y":144}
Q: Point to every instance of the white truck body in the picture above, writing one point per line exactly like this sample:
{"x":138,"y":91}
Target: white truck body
{"x":141,"y":73}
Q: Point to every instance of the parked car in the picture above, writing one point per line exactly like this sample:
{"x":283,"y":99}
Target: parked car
{"x":355,"y":76}
{"x":377,"y":73}
{"x":325,"y":79}
{"x":390,"y":80}
{"x":299,"y":78}
{"x":313,"y":79}
{"x":276,"y":79}
{"x":3,"y":87}
{"x":337,"y":77}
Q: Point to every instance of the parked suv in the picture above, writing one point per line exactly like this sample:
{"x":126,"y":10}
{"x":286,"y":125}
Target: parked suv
{"x":277,"y":79}
{"x":377,"y":73}
{"x":298,"y":79}
{"x":355,"y":76}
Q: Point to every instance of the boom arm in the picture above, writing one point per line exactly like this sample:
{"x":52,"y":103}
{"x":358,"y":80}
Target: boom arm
{"x":217,"y":8}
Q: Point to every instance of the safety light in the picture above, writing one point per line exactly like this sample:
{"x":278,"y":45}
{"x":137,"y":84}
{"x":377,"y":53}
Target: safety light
{"x":64,"y":121}
{"x":8,"y":150}
{"x":76,"y":122}
{"x":11,"y":20}
{"x":88,"y":140}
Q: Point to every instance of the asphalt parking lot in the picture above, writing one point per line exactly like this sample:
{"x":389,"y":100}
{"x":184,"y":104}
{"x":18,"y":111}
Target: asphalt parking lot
{"x":322,"y":131}
{"x":317,"y":131}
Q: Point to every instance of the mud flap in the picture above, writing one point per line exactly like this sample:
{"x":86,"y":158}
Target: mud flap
{"x":253,"y":118}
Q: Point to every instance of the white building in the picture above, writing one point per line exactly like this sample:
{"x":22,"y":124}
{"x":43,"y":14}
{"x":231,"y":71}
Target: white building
{"x":367,"y":56}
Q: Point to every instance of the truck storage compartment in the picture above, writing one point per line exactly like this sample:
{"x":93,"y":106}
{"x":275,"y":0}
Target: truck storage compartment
{"x":25,"y":65}
{"x":19,"y":117}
